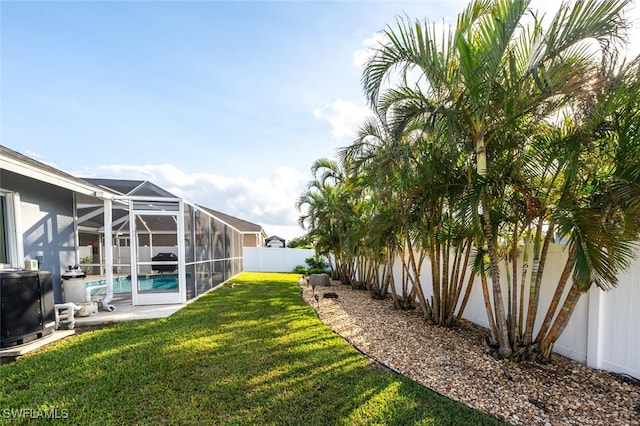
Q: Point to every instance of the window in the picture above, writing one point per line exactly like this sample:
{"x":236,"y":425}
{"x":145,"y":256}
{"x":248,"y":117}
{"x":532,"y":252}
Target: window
{"x":4,"y":258}
{"x":9,"y":252}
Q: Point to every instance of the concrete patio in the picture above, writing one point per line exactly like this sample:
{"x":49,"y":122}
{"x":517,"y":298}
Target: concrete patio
{"x":128,"y":313}
{"x":123,"y":312}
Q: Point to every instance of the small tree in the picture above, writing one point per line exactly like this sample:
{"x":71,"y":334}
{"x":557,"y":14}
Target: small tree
{"x":303,"y":242}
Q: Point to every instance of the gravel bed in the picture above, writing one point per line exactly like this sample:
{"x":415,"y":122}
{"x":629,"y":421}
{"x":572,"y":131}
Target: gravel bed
{"x":454,"y":363}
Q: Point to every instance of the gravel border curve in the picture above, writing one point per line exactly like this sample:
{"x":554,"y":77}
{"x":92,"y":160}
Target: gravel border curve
{"x":453,"y":362}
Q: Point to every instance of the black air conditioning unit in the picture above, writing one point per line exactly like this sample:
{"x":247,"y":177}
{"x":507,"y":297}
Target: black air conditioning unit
{"x":26,"y":307}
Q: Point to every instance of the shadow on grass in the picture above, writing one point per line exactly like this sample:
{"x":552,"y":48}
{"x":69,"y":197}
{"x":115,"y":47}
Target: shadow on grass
{"x":251,"y":352}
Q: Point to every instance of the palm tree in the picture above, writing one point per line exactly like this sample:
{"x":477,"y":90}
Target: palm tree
{"x":380,"y":161}
{"x":598,"y":207}
{"x":500,"y":69}
{"x":320,"y":205}
{"x":415,"y":177}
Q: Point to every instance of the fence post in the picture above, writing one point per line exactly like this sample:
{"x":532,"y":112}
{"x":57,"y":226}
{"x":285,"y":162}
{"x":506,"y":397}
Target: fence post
{"x":594,"y":328}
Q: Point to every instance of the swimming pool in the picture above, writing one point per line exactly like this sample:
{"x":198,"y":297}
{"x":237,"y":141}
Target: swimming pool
{"x":161,"y":282}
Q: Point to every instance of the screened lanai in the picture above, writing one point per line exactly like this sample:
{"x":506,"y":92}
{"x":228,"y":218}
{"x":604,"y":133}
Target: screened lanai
{"x":150,"y":247}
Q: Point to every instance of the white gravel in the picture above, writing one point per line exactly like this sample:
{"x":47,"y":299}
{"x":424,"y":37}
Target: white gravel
{"x":453,"y":363}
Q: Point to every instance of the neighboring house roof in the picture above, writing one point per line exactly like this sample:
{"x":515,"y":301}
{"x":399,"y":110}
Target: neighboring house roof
{"x":240,"y":224}
{"x":274,"y":237}
{"x":17,"y":163}
{"x":275,"y":241}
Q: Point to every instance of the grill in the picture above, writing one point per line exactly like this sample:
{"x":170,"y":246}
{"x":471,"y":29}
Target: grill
{"x":164,"y":257}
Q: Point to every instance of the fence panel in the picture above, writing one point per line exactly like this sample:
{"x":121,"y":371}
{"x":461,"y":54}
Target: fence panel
{"x":604,"y":330}
{"x":267,"y":259}
{"x":618,"y":338}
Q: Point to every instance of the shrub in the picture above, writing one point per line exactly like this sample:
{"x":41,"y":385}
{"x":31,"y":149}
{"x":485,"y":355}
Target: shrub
{"x":299,"y":269}
{"x":315,"y":265}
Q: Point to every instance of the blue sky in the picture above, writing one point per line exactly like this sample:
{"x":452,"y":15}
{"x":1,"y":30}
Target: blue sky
{"x":224,"y":103}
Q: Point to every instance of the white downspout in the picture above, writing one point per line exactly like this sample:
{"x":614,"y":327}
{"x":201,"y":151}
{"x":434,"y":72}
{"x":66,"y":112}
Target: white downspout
{"x":133,"y":246}
{"x":182,"y":274}
{"x":108,"y":253}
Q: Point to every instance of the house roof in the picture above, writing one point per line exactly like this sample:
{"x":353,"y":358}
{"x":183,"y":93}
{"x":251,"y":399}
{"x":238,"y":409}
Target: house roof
{"x":240,"y":224}
{"x":274,"y":237}
{"x":20,"y":164}
{"x":132,"y":187}
{"x":146,"y":188}
{"x":15,"y":162}
{"x":121,"y":186}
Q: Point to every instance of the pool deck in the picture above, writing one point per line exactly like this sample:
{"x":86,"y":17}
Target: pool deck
{"x":128,"y":313}
{"x":123,"y":312}
{"x":95,"y":278}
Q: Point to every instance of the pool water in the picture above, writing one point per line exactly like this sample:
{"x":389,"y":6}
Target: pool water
{"x":147,"y":283}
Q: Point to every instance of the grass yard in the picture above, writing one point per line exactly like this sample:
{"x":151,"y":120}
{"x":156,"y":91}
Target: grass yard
{"x":251,"y":352}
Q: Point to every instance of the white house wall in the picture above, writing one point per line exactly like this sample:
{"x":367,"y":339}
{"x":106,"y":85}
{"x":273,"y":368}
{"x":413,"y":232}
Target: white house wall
{"x":46,"y":222}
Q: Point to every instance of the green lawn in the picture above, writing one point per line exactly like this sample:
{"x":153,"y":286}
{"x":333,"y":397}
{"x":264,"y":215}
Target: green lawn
{"x":251,"y":352}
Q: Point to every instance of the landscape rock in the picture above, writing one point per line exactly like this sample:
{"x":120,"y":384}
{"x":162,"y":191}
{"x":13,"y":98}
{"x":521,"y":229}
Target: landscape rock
{"x":453,"y":363}
{"x":316,"y":280}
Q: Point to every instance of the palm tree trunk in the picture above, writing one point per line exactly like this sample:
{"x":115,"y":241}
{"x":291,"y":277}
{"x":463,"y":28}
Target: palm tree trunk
{"x":386,"y":276}
{"x":424,"y":255}
{"x":444,"y":282}
{"x":523,"y":278}
{"x":537,"y":268}
{"x":561,"y":321}
{"x":405,"y":266}
{"x":435,"y":278}
{"x":461,"y":269}
{"x":332,"y":268}
{"x":513,"y":327}
{"x":389,"y":278}
{"x":467,"y":294}
{"x":394,"y":293}
{"x":481,"y":156}
{"x":501,"y":321}
{"x":509,"y":292}
{"x":456,"y":282}
{"x":405,"y":277}
{"x":557,"y":296}
{"x":455,"y":271}
{"x":417,"y":286}
{"x":462,"y":275}
{"x":487,"y":305}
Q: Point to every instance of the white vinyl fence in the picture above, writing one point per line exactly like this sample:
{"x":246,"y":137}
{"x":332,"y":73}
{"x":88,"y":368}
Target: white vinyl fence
{"x":270,"y":259}
{"x":604,"y":331}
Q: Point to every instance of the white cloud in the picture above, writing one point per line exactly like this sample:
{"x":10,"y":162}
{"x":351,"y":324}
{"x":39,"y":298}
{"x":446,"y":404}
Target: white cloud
{"x":268,"y":200}
{"x":345,"y":118}
{"x":361,"y":56}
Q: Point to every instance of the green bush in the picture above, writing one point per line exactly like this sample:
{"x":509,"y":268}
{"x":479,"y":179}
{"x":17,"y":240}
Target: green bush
{"x":317,"y":262}
{"x":315,"y":265}
{"x":299,"y":269}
